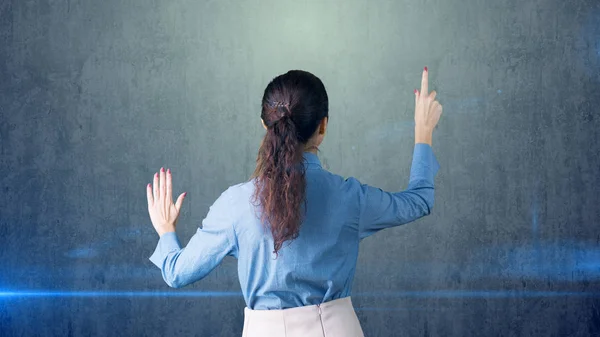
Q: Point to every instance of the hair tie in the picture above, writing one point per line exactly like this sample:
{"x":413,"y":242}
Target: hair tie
{"x":283,"y":104}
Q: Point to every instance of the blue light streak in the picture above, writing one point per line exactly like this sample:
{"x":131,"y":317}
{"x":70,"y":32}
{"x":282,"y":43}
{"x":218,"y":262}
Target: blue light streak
{"x":485,"y":294}
{"x":42,"y":293}
{"x":213,"y":294}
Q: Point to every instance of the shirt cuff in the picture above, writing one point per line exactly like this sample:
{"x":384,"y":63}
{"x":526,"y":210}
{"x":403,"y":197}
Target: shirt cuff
{"x":424,"y":161}
{"x":167,"y":243}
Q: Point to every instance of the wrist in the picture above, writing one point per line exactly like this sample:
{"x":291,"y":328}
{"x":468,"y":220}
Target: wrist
{"x":422,"y":136}
{"x":165,"y":230}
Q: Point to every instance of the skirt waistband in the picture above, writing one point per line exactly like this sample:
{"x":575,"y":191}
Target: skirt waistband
{"x":303,"y":310}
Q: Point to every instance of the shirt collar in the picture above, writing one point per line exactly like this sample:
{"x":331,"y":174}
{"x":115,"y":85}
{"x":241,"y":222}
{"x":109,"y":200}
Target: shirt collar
{"x":311,"y":159}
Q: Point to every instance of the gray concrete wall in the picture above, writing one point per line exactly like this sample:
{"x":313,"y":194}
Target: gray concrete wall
{"x":95,"y":96}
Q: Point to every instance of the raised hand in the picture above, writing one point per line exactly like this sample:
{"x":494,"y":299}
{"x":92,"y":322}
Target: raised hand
{"x":163,"y":212}
{"x":427,"y":111}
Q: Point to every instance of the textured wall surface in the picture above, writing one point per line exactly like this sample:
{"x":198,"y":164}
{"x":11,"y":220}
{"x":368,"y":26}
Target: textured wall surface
{"x":96,"y":96}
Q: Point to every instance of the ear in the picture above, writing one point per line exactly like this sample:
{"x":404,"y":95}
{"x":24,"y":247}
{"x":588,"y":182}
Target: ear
{"x":263,"y":123}
{"x":323,"y":126}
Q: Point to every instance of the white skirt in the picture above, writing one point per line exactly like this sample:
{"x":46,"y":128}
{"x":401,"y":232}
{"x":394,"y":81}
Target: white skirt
{"x":335,"y":318}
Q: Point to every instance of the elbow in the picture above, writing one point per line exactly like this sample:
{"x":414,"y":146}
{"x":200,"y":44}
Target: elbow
{"x":429,"y":208}
{"x":428,"y":205}
{"x":423,"y":201}
{"x":172,"y":275}
{"x":181,"y":280}
{"x":173,"y":281}
{"x":173,"y":284}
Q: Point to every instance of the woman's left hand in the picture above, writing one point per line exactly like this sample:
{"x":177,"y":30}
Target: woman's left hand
{"x":163,"y":213}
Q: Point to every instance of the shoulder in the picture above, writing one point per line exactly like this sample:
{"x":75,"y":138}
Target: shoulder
{"x":343,"y":184}
{"x":232,"y":203}
{"x":241,"y":189}
{"x":352,"y":186}
{"x":237,"y":195}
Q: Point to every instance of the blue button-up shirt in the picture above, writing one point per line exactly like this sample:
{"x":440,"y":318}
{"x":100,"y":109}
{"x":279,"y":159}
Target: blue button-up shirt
{"x":319,"y":265}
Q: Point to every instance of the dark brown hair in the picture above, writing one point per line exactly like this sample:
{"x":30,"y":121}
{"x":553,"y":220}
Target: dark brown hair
{"x":293,"y":105}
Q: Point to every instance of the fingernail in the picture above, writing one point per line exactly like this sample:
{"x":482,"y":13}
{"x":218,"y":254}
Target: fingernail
{"x":416,"y":91}
{"x":156,"y":174}
{"x":184,"y":194}
{"x":162,"y":169}
{"x":148,"y":185}
{"x":425,"y":68}
{"x":169,"y":171}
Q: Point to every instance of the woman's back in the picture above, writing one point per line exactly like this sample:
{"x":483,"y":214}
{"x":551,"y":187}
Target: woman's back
{"x":319,"y":264}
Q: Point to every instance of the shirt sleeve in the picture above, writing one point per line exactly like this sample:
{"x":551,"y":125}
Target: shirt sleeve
{"x":205,"y":250}
{"x":381,"y":209}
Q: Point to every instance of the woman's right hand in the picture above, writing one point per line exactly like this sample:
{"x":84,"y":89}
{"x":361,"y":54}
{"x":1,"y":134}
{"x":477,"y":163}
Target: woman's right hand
{"x":427,"y":111}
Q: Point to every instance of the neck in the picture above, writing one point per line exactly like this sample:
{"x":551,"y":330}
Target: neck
{"x":311,"y":149}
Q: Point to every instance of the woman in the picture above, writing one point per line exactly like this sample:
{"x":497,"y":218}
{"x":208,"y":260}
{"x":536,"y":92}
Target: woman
{"x":294,"y":227}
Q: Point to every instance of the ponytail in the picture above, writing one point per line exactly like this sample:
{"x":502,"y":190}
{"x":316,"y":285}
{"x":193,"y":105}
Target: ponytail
{"x":280,"y":179}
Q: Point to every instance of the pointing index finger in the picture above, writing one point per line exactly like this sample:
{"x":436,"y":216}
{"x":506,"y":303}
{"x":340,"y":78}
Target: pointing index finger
{"x":424,"y":83}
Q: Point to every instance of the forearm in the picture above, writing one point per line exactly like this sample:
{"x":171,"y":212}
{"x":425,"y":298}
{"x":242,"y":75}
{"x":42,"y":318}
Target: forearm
{"x":182,"y":267}
{"x":205,"y":250}
{"x":422,"y":173}
{"x":165,"y":257}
